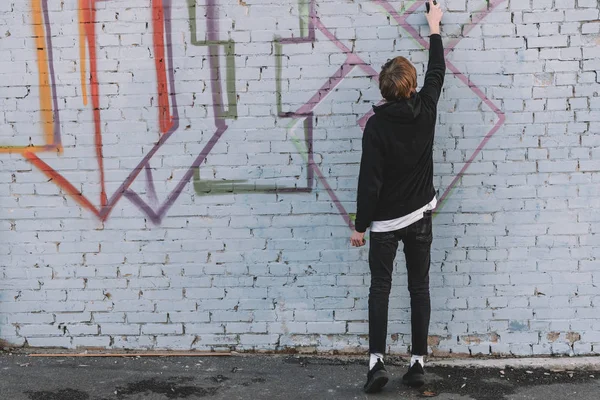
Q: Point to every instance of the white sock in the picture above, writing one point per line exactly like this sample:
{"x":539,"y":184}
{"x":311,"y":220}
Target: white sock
{"x":414,"y":359}
{"x":373,"y":359}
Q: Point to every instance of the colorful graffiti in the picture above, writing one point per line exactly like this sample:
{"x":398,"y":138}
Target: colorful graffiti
{"x":167,"y":104}
{"x":224,"y":101}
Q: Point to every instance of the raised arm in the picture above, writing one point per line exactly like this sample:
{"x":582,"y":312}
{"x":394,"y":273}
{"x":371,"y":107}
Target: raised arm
{"x":436,"y":69}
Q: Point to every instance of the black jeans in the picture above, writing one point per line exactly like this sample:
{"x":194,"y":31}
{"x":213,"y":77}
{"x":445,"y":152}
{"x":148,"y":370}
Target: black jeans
{"x":417,"y":240}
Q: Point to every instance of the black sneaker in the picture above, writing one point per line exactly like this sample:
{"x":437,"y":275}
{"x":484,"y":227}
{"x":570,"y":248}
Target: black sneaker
{"x":377,"y":378}
{"x":415,"y":376}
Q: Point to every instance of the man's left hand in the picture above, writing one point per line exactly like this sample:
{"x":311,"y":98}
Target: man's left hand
{"x":358,"y":239}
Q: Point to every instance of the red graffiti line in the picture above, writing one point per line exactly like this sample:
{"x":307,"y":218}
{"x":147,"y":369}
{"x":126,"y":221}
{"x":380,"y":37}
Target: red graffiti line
{"x":157,"y":215}
{"x":61,"y":182}
{"x":89,"y":15}
{"x":158,"y":23}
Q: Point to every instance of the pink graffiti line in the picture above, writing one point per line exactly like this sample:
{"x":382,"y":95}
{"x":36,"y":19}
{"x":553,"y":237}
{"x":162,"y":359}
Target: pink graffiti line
{"x":477,"y":18}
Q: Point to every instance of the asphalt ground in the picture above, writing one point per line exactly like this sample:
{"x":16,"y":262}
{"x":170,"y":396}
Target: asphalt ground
{"x":286,"y":377}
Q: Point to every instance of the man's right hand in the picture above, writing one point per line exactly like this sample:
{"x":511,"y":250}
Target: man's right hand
{"x":358,"y":239}
{"x":434,"y":16}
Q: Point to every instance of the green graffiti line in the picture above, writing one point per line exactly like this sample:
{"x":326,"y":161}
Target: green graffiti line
{"x":304,"y":148}
{"x":304,"y":15}
{"x":215,"y":188}
{"x":231,"y":111}
{"x":222,"y":187}
{"x":278,"y":48}
{"x":307,"y":34}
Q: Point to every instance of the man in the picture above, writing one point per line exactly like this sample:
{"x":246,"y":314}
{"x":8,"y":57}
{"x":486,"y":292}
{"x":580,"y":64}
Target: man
{"x":396,"y":198}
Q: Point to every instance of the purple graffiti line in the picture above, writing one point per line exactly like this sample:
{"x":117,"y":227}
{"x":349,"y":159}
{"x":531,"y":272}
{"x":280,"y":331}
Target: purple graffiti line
{"x":156,"y":215}
{"x":476,"y":19}
{"x":150,"y":187}
{"x":166,"y":8}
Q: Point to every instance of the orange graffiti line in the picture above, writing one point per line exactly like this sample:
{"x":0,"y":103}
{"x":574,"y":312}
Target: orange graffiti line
{"x":89,"y":13}
{"x":158,"y":24}
{"x":23,"y":149}
{"x":42,"y":61}
{"x":82,"y":62}
{"x":61,"y":182}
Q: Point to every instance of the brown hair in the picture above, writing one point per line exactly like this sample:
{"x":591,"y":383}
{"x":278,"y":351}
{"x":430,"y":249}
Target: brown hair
{"x":398,"y":79}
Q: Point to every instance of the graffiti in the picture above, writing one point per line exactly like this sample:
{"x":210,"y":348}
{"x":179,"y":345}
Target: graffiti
{"x":224,"y":102}
{"x":156,"y":214}
{"x":168,"y":120}
{"x":48,"y":100}
{"x":304,"y":113}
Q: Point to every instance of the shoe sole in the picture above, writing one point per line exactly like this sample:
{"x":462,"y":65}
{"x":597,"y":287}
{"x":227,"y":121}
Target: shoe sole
{"x":380,"y":379}
{"x":414,"y":381}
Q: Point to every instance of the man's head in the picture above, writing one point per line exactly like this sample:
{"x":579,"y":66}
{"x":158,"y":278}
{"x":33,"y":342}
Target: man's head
{"x":398,"y":79}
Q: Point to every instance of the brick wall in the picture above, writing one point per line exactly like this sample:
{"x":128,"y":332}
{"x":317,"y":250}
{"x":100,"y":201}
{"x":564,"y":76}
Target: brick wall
{"x":182,"y":175}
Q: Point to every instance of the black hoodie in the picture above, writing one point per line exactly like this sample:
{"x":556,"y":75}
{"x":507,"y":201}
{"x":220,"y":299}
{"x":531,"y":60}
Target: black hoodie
{"x":396,"y":169}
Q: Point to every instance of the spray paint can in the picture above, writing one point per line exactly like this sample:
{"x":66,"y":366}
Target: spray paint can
{"x":428,"y":7}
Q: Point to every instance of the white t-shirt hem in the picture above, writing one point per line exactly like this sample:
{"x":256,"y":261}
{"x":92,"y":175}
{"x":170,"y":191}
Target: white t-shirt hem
{"x":403,"y":222}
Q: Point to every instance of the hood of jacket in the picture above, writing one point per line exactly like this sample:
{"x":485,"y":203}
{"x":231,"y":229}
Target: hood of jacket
{"x":404,"y":110}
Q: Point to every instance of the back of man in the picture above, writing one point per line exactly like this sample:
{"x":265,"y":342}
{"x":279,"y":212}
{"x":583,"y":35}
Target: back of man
{"x":396,"y":197}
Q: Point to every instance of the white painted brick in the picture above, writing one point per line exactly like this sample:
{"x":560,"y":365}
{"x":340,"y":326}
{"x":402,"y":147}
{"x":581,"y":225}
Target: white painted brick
{"x":170,"y":306}
{"x":581,"y":15}
{"x":119,"y":329}
{"x":547,"y":41}
{"x":139,"y":318}
{"x":162,"y":329}
{"x":133,"y":342}
{"x":72,"y":317}
{"x":130,"y":305}
{"x":101,"y":342}
{"x":59,"y":342}
{"x":548,"y":16}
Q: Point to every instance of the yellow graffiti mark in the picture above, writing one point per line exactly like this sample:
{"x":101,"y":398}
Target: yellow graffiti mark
{"x":46,"y":111}
{"x":44,"y":75}
{"x":82,"y":63}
